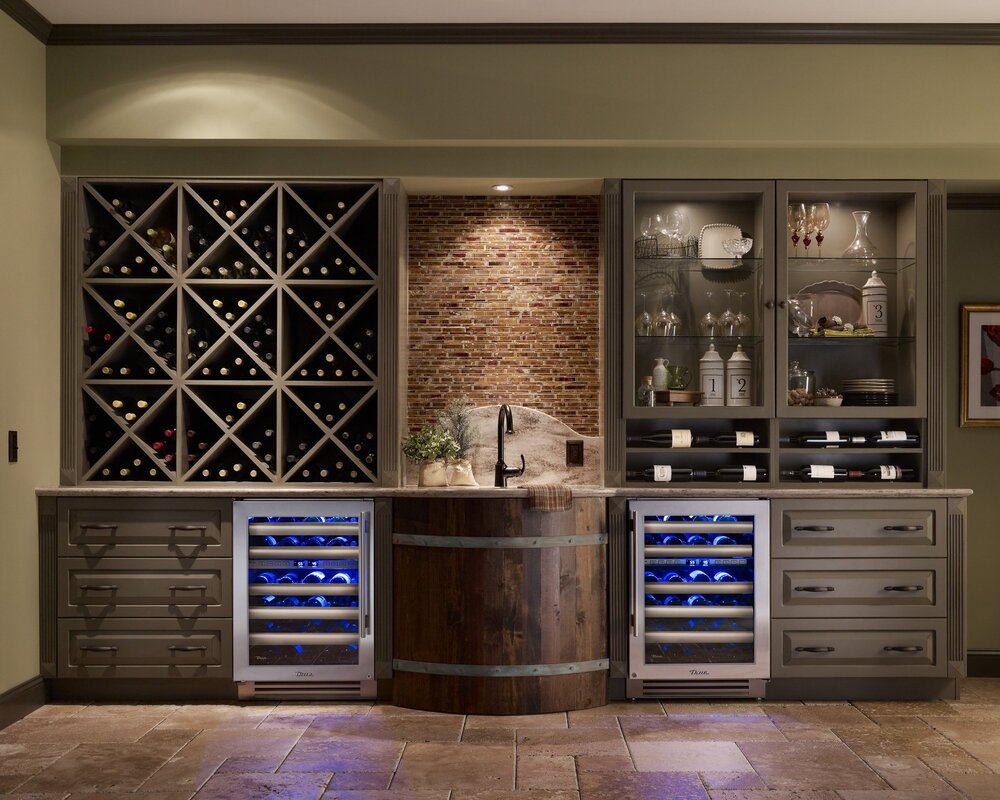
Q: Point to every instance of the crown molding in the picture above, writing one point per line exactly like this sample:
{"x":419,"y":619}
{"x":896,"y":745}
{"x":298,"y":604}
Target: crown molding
{"x":29,"y":19}
{"x":548,"y":33}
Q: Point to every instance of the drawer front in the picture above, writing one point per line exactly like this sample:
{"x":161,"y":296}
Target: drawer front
{"x":869,"y":587}
{"x":145,"y":587}
{"x":834,"y":648}
{"x":158,"y":648}
{"x":871,"y":529}
{"x":184,"y":528}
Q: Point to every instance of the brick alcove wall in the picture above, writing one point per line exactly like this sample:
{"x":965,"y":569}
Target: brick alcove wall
{"x":505,"y":305}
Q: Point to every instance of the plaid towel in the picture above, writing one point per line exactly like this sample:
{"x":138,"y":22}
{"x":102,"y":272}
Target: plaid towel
{"x":549,"y":497}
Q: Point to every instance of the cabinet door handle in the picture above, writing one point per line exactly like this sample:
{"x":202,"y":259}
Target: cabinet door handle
{"x":201,"y":528}
{"x":904,"y":588}
{"x":815,"y":528}
{"x":99,"y":587}
{"x":194,"y":587}
{"x":98,"y":526}
{"x":94,"y":648}
{"x":814,"y":589}
{"x":768,"y":304}
{"x":903,"y":528}
{"x":814,"y":649}
{"x":912,"y":648}
{"x":187,"y":648}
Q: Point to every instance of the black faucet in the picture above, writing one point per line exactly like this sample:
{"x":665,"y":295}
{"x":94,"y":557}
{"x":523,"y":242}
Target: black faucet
{"x":502,"y":471}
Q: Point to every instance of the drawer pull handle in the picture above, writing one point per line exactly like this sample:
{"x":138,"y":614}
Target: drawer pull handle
{"x":815,"y":528}
{"x":97,"y":526}
{"x":814,"y":589}
{"x":174,"y":528}
{"x":187,"y":648}
{"x":94,"y":648}
{"x":814,"y":649}
{"x":903,"y":528}
{"x":912,"y":648}
{"x":904,"y":588}
{"x":194,"y":587}
{"x":99,"y":587}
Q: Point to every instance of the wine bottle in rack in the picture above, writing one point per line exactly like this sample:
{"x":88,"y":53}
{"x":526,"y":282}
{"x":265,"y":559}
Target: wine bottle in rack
{"x":747,"y":473}
{"x":883,"y":472}
{"x":123,"y":209}
{"x":894,"y":439}
{"x":815,"y":472}
{"x":197,"y":243}
{"x":683,"y":438}
{"x":829,"y":439}
{"x":95,"y":242}
{"x":164,"y":241}
{"x":666,"y":473}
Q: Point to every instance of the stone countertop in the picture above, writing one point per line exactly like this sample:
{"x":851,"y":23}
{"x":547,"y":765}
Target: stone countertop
{"x":287,"y":492}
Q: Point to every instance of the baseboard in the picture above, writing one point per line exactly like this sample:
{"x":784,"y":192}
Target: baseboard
{"x":984,"y":664}
{"x":20,"y":701}
{"x":143,"y":690}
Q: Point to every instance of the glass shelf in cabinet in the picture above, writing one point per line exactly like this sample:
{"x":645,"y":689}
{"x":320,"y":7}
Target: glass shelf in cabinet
{"x":723,"y":341}
{"x":657,"y":264}
{"x":861,"y":266}
{"x":850,"y":341}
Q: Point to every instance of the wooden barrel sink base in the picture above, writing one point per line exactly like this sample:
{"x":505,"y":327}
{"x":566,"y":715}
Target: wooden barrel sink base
{"x":498,"y":609}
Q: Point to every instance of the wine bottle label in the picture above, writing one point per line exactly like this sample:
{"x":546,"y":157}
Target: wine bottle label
{"x":680,"y":437}
{"x":889,"y":473}
{"x":749,"y":472}
{"x":662,"y":473}
{"x":821,"y":472}
{"x":744,"y":439}
{"x":833,"y":436}
{"x":892,"y":436}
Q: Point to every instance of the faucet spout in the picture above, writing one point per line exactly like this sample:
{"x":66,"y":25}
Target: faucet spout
{"x":505,"y":423}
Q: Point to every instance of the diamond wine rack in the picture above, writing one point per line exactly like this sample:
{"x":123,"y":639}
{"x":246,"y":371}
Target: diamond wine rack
{"x":230,"y":331}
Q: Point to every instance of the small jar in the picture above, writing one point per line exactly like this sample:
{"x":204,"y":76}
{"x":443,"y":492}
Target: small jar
{"x":645,"y":394}
{"x":801,"y":385}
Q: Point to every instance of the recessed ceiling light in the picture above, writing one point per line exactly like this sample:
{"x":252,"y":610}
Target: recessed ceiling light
{"x":503,"y":187}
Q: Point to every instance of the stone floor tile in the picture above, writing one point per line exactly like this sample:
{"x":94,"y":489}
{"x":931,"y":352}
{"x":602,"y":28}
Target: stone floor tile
{"x":732,"y":780}
{"x":250,"y":786}
{"x":901,"y":723}
{"x":360,"y":780}
{"x":439,"y":728}
{"x":540,"y":794}
{"x":934,"y":749}
{"x":8,"y":783}
{"x":810,"y":765}
{"x":347,"y":708}
{"x":641,"y":786}
{"x":265,"y":763}
{"x":129,"y":728}
{"x":960,"y":729}
{"x":475,"y":767}
{"x":286,"y":723}
{"x":37,"y":796}
{"x":103,"y":795}
{"x":168,"y":736}
{"x":389,"y":710}
{"x":700,"y":727}
{"x":572,"y":742}
{"x":906,"y":708}
{"x":827,"y":715}
{"x":343,"y":754}
{"x":975,"y":786}
{"x":902,"y":794}
{"x":374,"y":794}
{"x":607,"y":716}
{"x":979,"y":690}
{"x":673,"y":756}
{"x":104,"y":710}
{"x":233,"y":717}
{"x":546,"y":772}
{"x":489,"y":736}
{"x":908,"y":772}
{"x":604,"y":764}
{"x":751,"y":707}
{"x":31,"y":749}
{"x":796,"y":732}
{"x":980,"y":711}
{"x":56,"y":711}
{"x":781,"y":794}
{"x":476,"y":721}
{"x":25,"y":765}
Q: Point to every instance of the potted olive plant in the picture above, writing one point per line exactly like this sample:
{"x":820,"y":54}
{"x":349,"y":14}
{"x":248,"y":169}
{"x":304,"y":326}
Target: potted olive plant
{"x":430,"y":448}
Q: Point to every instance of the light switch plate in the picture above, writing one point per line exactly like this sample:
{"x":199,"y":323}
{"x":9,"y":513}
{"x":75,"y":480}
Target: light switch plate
{"x":574,"y":452}
{"x":12,"y":447}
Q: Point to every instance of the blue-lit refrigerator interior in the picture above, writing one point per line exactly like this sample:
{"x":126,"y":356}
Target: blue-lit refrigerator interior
{"x":699,"y":606}
{"x":303,"y":593}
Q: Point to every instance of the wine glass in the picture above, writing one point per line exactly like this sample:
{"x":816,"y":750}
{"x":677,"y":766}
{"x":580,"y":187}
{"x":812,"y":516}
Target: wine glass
{"x":820,"y":214}
{"x":743,"y":320}
{"x":643,"y":320}
{"x":674,"y":319}
{"x":646,"y":227}
{"x":728,"y":318}
{"x":801,"y":311}
{"x":796,"y":221}
{"x":661,"y":323}
{"x":709,"y":323}
{"x":676,"y":226}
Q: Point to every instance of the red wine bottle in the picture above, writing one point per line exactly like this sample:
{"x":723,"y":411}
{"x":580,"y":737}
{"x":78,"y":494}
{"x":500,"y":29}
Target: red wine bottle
{"x":665,"y":473}
{"x":744,"y":473}
{"x":815,"y":473}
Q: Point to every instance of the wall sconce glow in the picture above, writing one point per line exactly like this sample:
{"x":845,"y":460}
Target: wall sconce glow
{"x":503,"y":187}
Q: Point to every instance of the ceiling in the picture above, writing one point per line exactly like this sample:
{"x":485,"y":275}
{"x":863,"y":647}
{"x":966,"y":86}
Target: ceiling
{"x":109,"y":12}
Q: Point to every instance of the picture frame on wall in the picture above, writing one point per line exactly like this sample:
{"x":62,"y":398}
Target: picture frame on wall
{"x":980,"y":402}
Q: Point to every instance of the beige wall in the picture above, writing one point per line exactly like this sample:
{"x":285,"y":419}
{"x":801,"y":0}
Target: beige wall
{"x":29,"y":331}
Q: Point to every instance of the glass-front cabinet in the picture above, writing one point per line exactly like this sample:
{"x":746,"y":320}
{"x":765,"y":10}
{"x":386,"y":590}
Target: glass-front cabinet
{"x":774,"y":332}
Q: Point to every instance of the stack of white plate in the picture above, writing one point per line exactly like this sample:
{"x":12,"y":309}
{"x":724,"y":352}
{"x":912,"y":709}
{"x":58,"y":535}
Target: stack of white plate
{"x":870,"y":392}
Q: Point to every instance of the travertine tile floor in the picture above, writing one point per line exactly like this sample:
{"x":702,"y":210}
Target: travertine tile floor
{"x":625,"y":751}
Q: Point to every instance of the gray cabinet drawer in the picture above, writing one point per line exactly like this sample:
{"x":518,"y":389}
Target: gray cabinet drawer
{"x":182,"y":528}
{"x":853,"y":587}
{"x":840,"y":648}
{"x":859,"y":528}
{"x":159,"y":648}
{"x":145,"y":587}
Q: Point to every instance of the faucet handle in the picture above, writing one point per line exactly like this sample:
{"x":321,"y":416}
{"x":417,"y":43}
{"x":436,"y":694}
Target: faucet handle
{"x":520,"y":472}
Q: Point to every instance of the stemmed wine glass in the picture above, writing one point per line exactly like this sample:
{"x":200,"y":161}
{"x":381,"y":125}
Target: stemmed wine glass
{"x":742,"y":319}
{"x":661,"y":323}
{"x":676,"y":226}
{"x":728,"y":318}
{"x":674,"y":319}
{"x":819,"y":213}
{"x":643,"y":320}
{"x":709,"y":323}
{"x":796,"y":222}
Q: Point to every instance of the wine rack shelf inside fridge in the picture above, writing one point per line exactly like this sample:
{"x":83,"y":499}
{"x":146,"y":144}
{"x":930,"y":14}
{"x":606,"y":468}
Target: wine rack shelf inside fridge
{"x":230,"y":331}
{"x":699,"y":595}
{"x":303,"y":592}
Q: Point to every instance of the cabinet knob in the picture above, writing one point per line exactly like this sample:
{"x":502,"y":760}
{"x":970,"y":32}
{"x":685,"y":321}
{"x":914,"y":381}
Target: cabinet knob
{"x":768,"y":304}
{"x":781,"y":304}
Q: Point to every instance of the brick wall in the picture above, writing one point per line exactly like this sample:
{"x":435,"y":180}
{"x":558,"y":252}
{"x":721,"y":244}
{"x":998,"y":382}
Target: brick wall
{"x":504,"y":305}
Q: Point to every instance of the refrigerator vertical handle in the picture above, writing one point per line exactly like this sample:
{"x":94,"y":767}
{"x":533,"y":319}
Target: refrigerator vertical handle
{"x":364,"y":574}
{"x":633,"y":587}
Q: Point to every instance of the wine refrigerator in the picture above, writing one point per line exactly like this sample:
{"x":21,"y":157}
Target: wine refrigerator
{"x":699,"y":603}
{"x":302,"y":606}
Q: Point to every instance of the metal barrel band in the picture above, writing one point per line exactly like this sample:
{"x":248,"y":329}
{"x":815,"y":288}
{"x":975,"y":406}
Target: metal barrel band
{"x":499,"y":543}
{"x":500,"y":671}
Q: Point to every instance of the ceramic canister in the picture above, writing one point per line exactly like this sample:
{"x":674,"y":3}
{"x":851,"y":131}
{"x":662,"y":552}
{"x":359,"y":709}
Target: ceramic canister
{"x":712,"y":378}
{"x":739,"y":379}
{"x":875,"y":296}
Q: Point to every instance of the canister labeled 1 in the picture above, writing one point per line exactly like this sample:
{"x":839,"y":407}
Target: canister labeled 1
{"x":711,"y":370}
